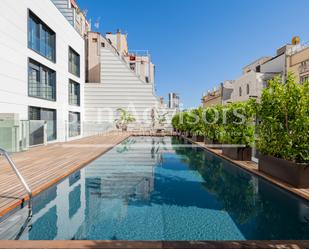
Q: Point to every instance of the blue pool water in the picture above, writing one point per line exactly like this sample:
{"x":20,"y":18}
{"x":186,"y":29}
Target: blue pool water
{"x":165,"y":189}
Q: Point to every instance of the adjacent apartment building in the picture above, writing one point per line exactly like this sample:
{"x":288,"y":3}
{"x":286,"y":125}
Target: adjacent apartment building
{"x":117,"y":78}
{"x":298,"y":63}
{"x":292,"y":57}
{"x":42,"y":78}
{"x":218,"y":95}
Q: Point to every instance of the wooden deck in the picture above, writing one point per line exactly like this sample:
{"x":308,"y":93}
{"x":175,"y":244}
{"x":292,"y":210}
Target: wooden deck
{"x":158,"y":244}
{"x":253,"y":168}
{"x":45,"y":165}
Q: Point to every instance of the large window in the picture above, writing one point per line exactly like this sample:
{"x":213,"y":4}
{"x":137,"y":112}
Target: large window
{"x":41,"y":38}
{"x":74,"y":124}
{"x":74,"y":93}
{"x":41,"y":81}
{"x":48,"y":115}
{"x":74,"y":62}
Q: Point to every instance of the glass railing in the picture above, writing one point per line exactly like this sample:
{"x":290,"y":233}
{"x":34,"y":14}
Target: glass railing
{"x":44,"y":92}
{"x":37,"y":132}
{"x":74,"y":129}
{"x":74,"y":100}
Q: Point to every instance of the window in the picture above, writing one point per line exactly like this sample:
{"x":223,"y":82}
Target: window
{"x":48,"y":115}
{"x":74,"y":124}
{"x":74,"y":62}
{"x":248,"y":89}
{"x":41,"y":81}
{"x":132,"y":66}
{"x":304,"y":78}
{"x":41,"y":38}
{"x":240,"y":91}
{"x":74,"y":93}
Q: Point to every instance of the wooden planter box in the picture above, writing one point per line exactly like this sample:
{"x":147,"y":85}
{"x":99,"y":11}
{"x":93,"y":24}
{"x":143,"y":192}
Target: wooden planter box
{"x":212,"y":143}
{"x":188,"y":135}
{"x":198,"y":138}
{"x":238,"y":153}
{"x":296,"y":174}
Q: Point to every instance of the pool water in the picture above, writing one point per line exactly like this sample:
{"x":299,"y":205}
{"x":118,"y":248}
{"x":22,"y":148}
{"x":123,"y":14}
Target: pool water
{"x":151,"y":188}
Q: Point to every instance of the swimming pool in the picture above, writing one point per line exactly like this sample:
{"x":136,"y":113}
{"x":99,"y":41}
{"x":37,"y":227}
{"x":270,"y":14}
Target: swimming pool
{"x":151,"y":188}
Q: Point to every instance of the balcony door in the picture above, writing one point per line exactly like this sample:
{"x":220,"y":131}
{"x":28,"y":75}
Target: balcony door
{"x":42,"y":114}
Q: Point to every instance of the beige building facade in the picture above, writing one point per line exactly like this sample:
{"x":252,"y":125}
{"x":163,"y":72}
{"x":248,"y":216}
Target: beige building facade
{"x":212,"y":98}
{"x":298,"y":64}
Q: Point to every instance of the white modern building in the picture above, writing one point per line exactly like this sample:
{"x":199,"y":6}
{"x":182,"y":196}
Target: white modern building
{"x":75,"y":16}
{"x":116,"y":79}
{"x":174,"y":101}
{"x":42,"y":75}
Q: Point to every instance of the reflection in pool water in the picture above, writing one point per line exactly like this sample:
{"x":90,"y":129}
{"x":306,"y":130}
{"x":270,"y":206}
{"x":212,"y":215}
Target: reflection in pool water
{"x":157,"y":189}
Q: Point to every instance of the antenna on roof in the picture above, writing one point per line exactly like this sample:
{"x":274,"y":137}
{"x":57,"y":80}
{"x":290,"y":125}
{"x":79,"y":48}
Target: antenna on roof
{"x":85,"y":12}
{"x":97,"y":23}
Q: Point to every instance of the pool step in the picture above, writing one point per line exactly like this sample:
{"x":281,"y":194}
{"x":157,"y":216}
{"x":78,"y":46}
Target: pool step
{"x":13,"y":225}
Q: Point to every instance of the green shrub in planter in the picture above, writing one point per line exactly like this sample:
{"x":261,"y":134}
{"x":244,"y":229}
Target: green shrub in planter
{"x":284,"y":120}
{"x":198,"y":128}
{"x":175,"y":121}
{"x":239,"y":127}
{"x":284,"y":131}
{"x":213,"y":123}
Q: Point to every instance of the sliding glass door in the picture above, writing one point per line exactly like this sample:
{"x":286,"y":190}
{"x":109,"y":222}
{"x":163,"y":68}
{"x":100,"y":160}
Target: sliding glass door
{"x":47,"y":115}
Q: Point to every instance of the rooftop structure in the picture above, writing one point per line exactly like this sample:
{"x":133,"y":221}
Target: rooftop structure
{"x":75,"y":16}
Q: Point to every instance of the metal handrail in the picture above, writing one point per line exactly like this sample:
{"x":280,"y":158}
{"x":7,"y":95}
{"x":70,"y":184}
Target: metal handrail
{"x":23,"y":181}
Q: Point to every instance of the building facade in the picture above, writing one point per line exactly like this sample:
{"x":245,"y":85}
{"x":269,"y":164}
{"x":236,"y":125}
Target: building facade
{"x":75,"y":16}
{"x":42,"y":77}
{"x":174,"y":101}
{"x":255,"y":76}
{"x":114,"y":82}
{"x":212,"y":97}
{"x":298,"y":64}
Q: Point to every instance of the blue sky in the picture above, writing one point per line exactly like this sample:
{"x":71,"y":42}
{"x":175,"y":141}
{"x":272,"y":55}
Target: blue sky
{"x":196,"y":44}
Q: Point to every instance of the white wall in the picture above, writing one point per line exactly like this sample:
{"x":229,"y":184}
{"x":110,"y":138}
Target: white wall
{"x":276,"y":65}
{"x":255,"y":81}
{"x":14,"y":54}
{"x":120,"y":87}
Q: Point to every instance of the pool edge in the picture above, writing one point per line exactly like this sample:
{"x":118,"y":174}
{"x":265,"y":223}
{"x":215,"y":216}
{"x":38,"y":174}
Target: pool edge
{"x":239,"y":164}
{"x":157,"y":244}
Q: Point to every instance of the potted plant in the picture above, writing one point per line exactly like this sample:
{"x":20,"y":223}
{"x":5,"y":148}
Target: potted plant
{"x":198,"y":126}
{"x":125,"y":118}
{"x":212,"y":120}
{"x":187,"y":124}
{"x":161,"y":120}
{"x":239,"y":130}
{"x":284,"y":131}
{"x":175,"y":123}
